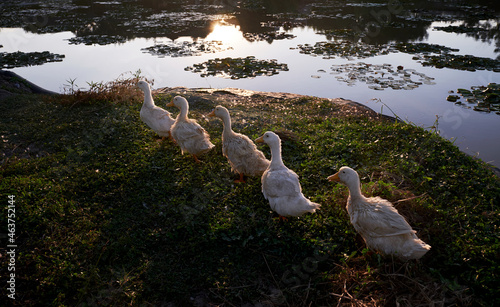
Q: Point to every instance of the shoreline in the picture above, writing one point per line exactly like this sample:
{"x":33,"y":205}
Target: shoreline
{"x":12,"y":83}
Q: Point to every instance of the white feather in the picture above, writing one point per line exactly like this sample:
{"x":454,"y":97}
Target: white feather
{"x":240,"y":151}
{"x":379,"y":223}
{"x":280,"y":185}
{"x":155,"y":117}
{"x":188,"y":134}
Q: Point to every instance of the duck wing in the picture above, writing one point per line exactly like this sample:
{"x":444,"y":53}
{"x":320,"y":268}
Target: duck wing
{"x":235,"y":146}
{"x":379,"y":218}
{"x":279,"y":183}
{"x":157,"y":119}
{"x":243,"y":155}
{"x":188,"y":129}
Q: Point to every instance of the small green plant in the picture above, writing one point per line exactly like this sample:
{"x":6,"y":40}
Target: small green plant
{"x":71,"y":87}
{"x":95,"y":87}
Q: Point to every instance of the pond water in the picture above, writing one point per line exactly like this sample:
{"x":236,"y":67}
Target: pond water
{"x":359,"y":59}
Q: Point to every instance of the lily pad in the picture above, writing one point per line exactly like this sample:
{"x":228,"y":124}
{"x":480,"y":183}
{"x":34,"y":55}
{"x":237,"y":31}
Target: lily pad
{"x":236,"y":68}
{"x":380,"y":77}
{"x":427,"y":54}
{"x":482,"y":98}
{"x":22,"y":59}
{"x":267,"y":36}
{"x":95,"y":39}
{"x":464,"y":92}
{"x":460,"y":29}
{"x":344,"y":48}
{"x":423,"y":48}
{"x":186,"y":48}
{"x":461,"y":62}
{"x":339,"y":33}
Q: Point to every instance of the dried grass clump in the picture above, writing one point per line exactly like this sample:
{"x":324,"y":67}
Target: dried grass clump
{"x":121,"y":90}
{"x":366,"y":281}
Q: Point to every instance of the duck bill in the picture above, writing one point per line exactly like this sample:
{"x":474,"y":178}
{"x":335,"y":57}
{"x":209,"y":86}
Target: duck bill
{"x":171,"y":104}
{"x":334,"y":177}
{"x":259,"y":140}
{"x":211,"y":114}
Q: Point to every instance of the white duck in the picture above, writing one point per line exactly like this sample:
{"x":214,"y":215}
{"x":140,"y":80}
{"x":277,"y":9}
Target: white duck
{"x":155,"y":117}
{"x":240,"y":151}
{"x":190,"y":136}
{"x":378,"y":222}
{"x":280,"y":185}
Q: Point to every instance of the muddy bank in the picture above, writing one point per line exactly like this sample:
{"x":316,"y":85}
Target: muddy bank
{"x":12,"y":83}
{"x":234,"y":96}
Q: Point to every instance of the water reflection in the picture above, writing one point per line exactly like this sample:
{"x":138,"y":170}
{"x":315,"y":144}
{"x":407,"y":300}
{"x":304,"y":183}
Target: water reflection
{"x":221,"y":30}
{"x":373,"y":22}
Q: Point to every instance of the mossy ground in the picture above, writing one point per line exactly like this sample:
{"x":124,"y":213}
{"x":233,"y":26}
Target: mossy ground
{"x":108,"y":215}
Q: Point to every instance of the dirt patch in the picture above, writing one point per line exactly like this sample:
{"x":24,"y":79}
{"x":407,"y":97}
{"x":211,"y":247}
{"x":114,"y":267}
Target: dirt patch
{"x":234,"y":96}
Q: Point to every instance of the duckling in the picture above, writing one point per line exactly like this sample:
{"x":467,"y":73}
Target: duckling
{"x":190,"y":136}
{"x":240,"y":151}
{"x":378,"y":222}
{"x":280,"y":185}
{"x":155,"y":117}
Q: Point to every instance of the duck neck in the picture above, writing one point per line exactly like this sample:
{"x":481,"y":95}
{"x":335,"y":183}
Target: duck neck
{"x":276,"y":160}
{"x":148,"y":98}
{"x":184,"y":112}
{"x":227,"y":131}
{"x":355,"y":189}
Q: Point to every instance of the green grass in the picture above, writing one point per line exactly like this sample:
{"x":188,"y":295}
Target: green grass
{"x":107,"y":215}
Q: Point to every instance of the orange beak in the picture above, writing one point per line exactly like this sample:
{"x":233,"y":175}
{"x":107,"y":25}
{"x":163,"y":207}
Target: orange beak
{"x":259,"y":140}
{"x":334,"y":177}
{"x":171,"y":104}
{"x":211,"y":114}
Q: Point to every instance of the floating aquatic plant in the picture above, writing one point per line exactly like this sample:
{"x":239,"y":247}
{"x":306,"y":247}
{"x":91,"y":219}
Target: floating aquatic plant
{"x":460,"y":62}
{"x":423,"y":48}
{"x":380,"y":77}
{"x":185,"y":48}
{"x":97,"y":39}
{"x":440,"y":57}
{"x":267,"y":36}
{"x":279,"y":23}
{"x":21,"y":59}
{"x":236,"y":68}
{"x":344,"y":48}
{"x":479,"y":98}
{"x":427,"y":54}
{"x":339,"y":33}
{"x":461,"y":29}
